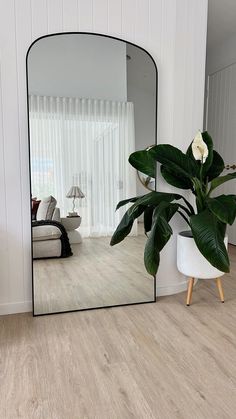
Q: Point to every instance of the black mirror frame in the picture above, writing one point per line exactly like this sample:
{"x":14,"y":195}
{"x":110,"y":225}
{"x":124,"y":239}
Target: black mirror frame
{"x":29,"y":154}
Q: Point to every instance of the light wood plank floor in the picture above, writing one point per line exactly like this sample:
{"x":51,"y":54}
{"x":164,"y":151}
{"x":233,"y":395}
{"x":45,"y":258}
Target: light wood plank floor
{"x":152,"y":361}
{"x":96,"y":275}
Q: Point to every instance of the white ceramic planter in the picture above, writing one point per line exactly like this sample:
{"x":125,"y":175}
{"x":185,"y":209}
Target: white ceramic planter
{"x":191,"y":262}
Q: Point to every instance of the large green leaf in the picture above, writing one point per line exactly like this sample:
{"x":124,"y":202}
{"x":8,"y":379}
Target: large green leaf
{"x":151,"y":255}
{"x":222,"y":179}
{"x":155,"y":198}
{"x":126,"y":224}
{"x":174,"y":160}
{"x":147,"y":218}
{"x":208,"y":163}
{"x":208,"y":232}
{"x":159,"y":236}
{"x":171,"y":210}
{"x":224,"y":207}
{"x":217,"y":166}
{"x":174,"y":179}
{"x":126,"y":201}
{"x":143,"y":161}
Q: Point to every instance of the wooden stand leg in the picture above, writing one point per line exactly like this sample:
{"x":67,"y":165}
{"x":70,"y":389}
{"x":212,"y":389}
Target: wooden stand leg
{"x":220,"y":289}
{"x":190,"y":291}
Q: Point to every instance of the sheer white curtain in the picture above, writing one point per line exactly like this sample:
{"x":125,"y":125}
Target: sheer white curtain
{"x":84,"y":142}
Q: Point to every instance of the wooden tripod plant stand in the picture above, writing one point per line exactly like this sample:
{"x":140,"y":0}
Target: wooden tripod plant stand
{"x":190,"y":290}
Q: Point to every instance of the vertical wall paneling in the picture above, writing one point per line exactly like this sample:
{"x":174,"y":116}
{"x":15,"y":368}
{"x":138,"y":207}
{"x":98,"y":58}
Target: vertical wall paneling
{"x":200,"y":14}
{"x":187,"y":83}
{"x":100,"y":16}
{"x":4,"y":273}
{"x":128,"y":19}
{"x":221,"y":123}
{"x":70,"y":16}
{"x":155,"y":45}
{"x":166,"y":87}
{"x":167,"y":29}
{"x":85,"y":12}
{"x":115,"y":17}
{"x":23,"y":32}
{"x":39,"y":16}
{"x":142,"y":22}
{"x":10,"y":118}
{"x":55,"y":16}
{"x":172,"y":17}
{"x":180,"y":72}
{"x":181,"y":115}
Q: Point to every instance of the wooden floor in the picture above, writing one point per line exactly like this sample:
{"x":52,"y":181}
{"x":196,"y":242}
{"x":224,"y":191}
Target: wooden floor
{"x":97,"y":275}
{"x":153,"y":361}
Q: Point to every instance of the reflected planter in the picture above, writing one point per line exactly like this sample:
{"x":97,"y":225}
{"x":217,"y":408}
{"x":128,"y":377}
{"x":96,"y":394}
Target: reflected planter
{"x":191,"y":262}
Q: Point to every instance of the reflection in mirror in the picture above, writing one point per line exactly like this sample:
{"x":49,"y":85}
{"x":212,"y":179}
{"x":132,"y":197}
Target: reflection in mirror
{"x":147,"y":181}
{"x":92,"y":102}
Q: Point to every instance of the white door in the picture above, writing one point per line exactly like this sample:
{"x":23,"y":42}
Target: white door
{"x":221,"y":124}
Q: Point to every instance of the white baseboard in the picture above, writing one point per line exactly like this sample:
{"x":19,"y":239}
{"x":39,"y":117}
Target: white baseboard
{"x":13,"y":308}
{"x":172,"y":289}
{"x":26,"y":306}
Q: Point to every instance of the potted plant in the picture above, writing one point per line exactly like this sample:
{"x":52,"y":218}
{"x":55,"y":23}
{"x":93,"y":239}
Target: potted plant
{"x":198,"y":170}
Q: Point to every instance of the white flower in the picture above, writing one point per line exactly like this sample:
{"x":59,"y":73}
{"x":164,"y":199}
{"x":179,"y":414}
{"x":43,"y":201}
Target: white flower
{"x":199,"y":148}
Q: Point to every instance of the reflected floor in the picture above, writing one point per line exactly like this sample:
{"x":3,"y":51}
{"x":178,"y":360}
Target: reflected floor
{"x":96,"y":275}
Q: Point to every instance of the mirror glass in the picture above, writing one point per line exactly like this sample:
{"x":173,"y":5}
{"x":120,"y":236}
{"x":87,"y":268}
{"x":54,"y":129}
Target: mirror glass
{"x":147,"y":181}
{"x":91,"y":103}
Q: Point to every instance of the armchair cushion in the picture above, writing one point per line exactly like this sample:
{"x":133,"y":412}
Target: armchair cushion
{"x":56,"y":216}
{"x":46,"y":208}
{"x":46,"y":232}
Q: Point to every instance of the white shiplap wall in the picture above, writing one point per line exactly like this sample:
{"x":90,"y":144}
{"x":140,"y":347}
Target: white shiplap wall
{"x":221,"y":124}
{"x":166,"y":28}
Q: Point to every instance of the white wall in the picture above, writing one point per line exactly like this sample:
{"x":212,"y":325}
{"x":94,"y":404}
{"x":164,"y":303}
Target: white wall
{"x":93,"y":67}
{"x":167,"y":29}
{"x":141,"y":90}
{"x":221,"y":55}
{"x":221,"y":124}
{"x":144,"y":115}
{"x":144,"y":118}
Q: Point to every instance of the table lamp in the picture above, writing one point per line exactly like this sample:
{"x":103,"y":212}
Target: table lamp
{"x":74,"y":192}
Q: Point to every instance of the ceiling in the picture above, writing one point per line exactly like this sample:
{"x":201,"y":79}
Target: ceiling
{"x":221,"y":21}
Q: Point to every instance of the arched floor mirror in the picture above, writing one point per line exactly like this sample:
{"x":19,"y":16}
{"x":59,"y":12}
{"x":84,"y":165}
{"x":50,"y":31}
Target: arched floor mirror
{"x":92,"y":100}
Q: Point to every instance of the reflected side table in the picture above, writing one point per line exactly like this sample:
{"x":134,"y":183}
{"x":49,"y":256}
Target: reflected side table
{"x":71,"y":225}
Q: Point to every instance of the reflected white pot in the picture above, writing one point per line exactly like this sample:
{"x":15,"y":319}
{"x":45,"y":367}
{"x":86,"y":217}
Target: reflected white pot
{"x":191,"y":262}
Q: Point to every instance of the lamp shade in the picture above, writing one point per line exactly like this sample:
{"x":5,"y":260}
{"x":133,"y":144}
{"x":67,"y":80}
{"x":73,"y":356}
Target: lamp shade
{"x":75,"y":192}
